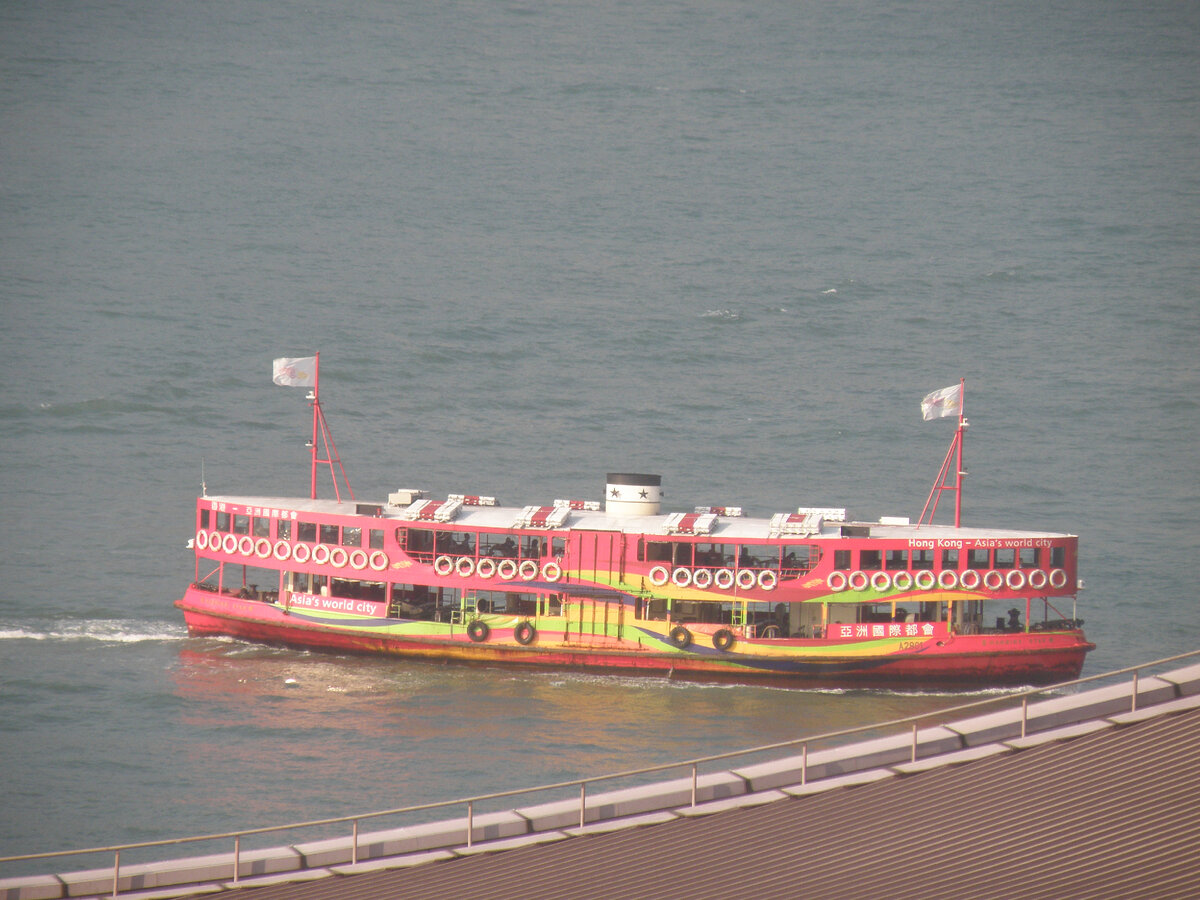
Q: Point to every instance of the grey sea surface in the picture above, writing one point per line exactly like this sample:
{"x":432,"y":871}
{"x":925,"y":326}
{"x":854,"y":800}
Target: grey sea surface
{"x":534,"y":242}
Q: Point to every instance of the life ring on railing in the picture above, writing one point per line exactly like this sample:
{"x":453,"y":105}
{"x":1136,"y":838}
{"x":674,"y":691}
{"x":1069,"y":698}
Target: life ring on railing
{"x":464,"y":566}
{"x":478,"y":631}
{"x":723,"y":579}
{"x":902,"y":581}
{"x":486,"y":568}
{"x":947,"y":579}
{"x":214,"y":541}
{"x":301,"y":553}
{"x":202,"y":539}
{"x":552,"y":571}
{"x":1058,"y":579}
{"x":1015,"y":579}
{"x":925,"y":580}
{"x":378,"y":561}
{"x":320,"y":554}
{"x":680,"y":637}
{"x":993,"y":580}
{"x":858,"y":581}
{"x":229,"y":543}
{"x":282,"y":550}
{"x":443,"y":565}
{"x":659,"y":576}
{"x":1037,"y":579}
{"x":746,"y":579}
{"x":722,"y":639}
{"x":339,"y":557}
{"x":246,"y":545}
{"x":358,"y":559}
{"x":969,"y":579}
{"x":525,"y":633}
{"x":507,"y":569}
{"x":836,"y":582}
{"x":262,"y":548}
{"x":881,"y":581}
{"x":681,"y":577}
{"x":702,"y":579}
{"x":767,"y":580}
{"x":528,"y":570}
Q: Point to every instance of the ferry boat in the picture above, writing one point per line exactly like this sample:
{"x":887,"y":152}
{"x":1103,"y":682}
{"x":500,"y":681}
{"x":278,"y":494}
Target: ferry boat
{"x":618,"y":584}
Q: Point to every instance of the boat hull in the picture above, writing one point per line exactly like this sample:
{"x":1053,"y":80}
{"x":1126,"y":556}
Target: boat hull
{"x":938,"y":659}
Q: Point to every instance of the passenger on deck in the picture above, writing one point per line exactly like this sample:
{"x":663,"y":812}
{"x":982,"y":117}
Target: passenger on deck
{"x":1014,"y":620}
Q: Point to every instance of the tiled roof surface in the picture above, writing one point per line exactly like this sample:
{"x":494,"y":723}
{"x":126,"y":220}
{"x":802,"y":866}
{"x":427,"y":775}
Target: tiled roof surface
{"x":1112,"y":813}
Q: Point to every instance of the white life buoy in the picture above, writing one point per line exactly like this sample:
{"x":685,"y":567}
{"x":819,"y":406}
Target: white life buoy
{"x":702,"y":578}
{"x":229,"y":543}
{"x":659,"y":576}
{"x":947,"y":579}
{"x":925,"y":580}
{"x":464,"y":566}
{"x":1015,"y":579}
{"x":378,"y":561}
{"x":969,"y":579}
{"x":262,"y":548}
{"x":858,"y":581}
{"x":507,"y":569}
{"x":723,"y":579}
{"x":902,"y":581}
{"x":246,"y":545}
{"x":993,"y":580}
{"x":214,"y":541}
{"x":320,"y":554}
{"x":443,"y":565}
{"x":1037,"y":579}
{"x":339,"y":557}
{"x":358,"y":559}
{"x":881,"y":581}
{"x":486,"y":568}
{"x":202,"y":539}
{"x":836,"y":582}
{"x":1058,"y":579}
{"x":746,"y":579}
{"x":681,"y":577}
{"x":552,"y":571}
{"x":282,"y":550}
{"x":301,"y":553}
{"x":528,"y":570}
{"x":767,"y":580}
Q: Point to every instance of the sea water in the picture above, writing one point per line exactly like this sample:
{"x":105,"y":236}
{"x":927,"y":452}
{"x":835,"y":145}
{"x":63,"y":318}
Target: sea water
{"x":733,"y":244}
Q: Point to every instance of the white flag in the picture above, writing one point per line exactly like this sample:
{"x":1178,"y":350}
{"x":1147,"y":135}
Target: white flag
{"x":946,"y":402}
{"x":295,"y":371}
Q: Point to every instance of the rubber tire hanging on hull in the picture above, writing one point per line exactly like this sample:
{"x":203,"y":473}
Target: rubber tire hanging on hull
{"x":525,"y":633}
{"x":680,"y":637}
{"x":723,"y":639}
{"x":478,"y":631}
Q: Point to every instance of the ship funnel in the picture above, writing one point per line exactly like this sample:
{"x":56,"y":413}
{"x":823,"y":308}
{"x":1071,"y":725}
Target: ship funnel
{"x":628,"y":494}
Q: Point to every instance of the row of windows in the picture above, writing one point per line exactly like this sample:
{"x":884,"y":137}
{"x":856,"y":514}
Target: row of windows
{"x":729,"y":556}
{"x":976,"y":558}
{"x":497,"y":545}
{"x":310,"y":532}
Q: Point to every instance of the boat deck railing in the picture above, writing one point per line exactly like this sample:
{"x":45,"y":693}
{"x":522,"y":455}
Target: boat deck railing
{"x":585,"y":787}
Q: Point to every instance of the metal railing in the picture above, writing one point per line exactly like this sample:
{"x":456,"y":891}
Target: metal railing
{"x":581,"y":785}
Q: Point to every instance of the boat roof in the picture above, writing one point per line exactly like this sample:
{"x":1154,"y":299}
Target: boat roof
{"x":721,"y":528}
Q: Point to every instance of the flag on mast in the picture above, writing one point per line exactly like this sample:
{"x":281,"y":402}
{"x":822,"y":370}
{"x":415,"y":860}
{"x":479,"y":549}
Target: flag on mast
{"x":295,"y":371}
{"x":946,"y":402}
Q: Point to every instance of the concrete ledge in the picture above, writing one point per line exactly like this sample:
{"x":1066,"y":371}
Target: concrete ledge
{"x":393,"y":862}
{"x":1057,"y":734}
{"x":951,"y":759}
{"x":884,"y":751}
{"x":196,"y":870}
{"x":180,"y":890}
{"x":33,"y":887}
{"x":604,"y":827}
{"x":830,"y":784}
{"x":525,"y":840}
{"x":1162,"y":709}
{"x":1186,"y":680}
{"x":282,"y":878}
{"x":716,"y":806}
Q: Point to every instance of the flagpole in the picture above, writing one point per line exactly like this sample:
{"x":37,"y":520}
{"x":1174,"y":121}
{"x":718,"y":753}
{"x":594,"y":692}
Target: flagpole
{"x":316,"y":405}
{"x":962,"y":435}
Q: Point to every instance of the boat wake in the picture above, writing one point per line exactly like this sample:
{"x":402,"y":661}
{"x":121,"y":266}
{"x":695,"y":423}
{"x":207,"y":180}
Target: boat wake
{"x":110,"y":631}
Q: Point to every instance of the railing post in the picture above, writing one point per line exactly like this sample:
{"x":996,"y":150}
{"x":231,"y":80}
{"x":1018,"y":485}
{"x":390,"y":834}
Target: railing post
{"x":116,"y":873}
{"x":804,"y":763}
{"x":914,"y":746}
{"x":470,"y":820}
{"x":1135,"y":687}
{"x":237,"y":857}
{"x":695,"y":766}
{"x":354,"y":845}
{"x":582,"y":802}
{"x":1024,"y":713}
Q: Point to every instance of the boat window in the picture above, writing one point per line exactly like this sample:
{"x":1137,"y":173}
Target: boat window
{"x":283,"y":529}
{"x":977,"y":558}
{"x":222,"y":521}
{"x":375,"y":539}
{"x":801,"y":557}
{"x":241,"y":524}
{"x":558,"y":546}
{"x":1058,"y":556}
{"x":869,"y":559}
{"x":329,"y":534}
{"x":1029,"y":558}
{"x":351,"y":537}
{"x":506,"y":602}
{"x":841,"y":559}
{"x":923,"y":559}
{"x":656,"y":551}
{"x":1006,"y":557}
{"x":415,"y":540}
{"x":204,"y":514}
{"x":532,"y":548}
{"x":897,"y":559}
{"x":683,"y":554}
{"x":715,"y":555}
{"x":758,"y":556}
{"x":358,"y":590}
{"x":950,"y":560}
{"x":499,"y":546}
{"x":306,"y":531}
{"x":460,"y":543}
{"x":261,"y":527}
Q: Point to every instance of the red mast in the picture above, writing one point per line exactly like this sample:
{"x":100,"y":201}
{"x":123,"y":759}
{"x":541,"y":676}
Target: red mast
{"x":320,"y":426}
{"x":954,"y":456}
